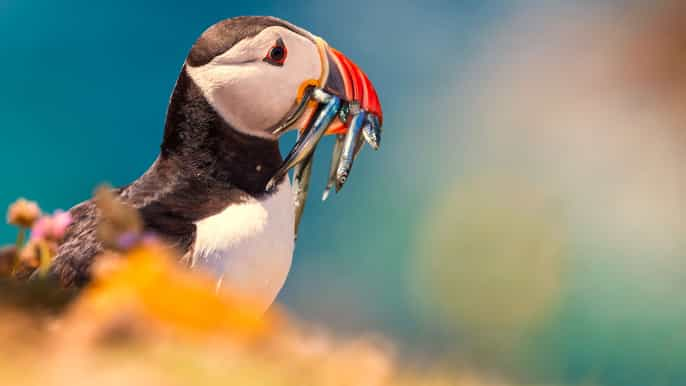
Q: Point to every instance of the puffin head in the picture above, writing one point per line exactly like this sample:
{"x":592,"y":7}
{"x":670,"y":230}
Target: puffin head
{"x":264,"y":76}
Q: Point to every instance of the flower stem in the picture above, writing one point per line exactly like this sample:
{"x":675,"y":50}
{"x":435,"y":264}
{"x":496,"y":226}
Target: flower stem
{"x":44,"y":257}
{"x":21,"y":237}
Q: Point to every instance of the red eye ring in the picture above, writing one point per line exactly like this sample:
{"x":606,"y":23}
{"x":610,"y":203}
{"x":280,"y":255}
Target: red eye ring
{"x":277,"y":54}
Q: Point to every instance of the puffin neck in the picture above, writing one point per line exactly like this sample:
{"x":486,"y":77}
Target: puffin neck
{"x":207,"y":148}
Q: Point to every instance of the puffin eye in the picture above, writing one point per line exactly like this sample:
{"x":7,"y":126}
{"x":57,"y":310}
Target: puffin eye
{"x":277,"y":54}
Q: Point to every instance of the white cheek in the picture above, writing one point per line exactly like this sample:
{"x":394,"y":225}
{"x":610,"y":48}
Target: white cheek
{"x":258,"y":99}
{"x":230,"y":90}
{"x":255,"y":96}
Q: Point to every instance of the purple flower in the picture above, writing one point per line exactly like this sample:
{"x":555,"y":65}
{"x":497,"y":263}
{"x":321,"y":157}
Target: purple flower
{"x":127,"y":240}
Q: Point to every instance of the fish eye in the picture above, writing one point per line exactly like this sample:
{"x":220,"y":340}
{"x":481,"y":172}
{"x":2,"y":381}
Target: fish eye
{"x":277,"y":54}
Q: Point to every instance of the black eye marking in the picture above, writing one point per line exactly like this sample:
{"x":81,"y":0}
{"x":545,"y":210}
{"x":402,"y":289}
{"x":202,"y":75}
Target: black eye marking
{"x":277,"y":54}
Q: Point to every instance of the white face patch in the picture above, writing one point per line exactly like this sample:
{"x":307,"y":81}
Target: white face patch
{"x":251,"y":94}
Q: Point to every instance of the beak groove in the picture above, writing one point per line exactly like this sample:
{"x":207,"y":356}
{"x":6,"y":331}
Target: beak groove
{"x":357,"y":86}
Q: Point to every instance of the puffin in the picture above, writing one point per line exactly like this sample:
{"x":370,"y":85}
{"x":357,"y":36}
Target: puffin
{"x":219,"y":190}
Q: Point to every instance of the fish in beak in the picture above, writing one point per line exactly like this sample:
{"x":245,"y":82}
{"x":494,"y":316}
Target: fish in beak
{"x":345,"y":104}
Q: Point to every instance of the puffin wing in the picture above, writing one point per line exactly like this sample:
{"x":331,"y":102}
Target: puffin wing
{"x":76,"y":254}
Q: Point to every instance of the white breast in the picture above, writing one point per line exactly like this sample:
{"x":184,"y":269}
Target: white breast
{"x":249,"y":246}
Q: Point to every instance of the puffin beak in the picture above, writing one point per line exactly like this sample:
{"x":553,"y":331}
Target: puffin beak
{"x":348,"y":82}
{"x":345,"y":104}
{"x":360,"y":122}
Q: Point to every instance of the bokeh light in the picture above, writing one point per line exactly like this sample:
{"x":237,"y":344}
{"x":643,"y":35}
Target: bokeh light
{"x":491,"y":261}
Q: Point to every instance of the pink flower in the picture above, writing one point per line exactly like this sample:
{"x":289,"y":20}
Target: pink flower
{"x":51,"y":228}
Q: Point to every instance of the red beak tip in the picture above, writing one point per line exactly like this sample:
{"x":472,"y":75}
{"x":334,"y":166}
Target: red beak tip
{"x":358,"y":86}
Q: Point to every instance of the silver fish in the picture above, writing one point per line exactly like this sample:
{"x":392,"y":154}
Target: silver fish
{"x":306,"y":143}
{"x":372,"y":131}
{"x":345,"y":163}
{"x":295,"y":114}
{"x":301,"y":185}
{"x":335,"y":158}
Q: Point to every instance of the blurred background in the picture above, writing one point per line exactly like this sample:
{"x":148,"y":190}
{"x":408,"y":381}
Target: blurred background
{"x":526,"y":216}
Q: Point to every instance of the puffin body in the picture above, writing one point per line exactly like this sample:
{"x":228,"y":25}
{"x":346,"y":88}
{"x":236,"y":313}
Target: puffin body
{"x":206,"y":194}
{"x":249,"y":245}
